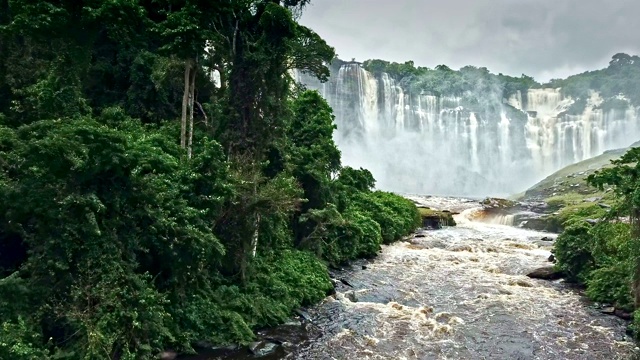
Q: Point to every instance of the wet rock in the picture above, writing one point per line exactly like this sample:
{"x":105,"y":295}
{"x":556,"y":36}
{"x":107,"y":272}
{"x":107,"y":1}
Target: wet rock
{"x":493,"y":203}
{"x":293,"y":322}
{"x":419,"y":236}
{"x":545,"y":273}
{"x":546,"y":238}
{"x":609,"y":310}
{"x":622,"y":314}
{"x":351,"y":295}
{"x":537,"y":222}
{"x":205,"y":345}
{"x":551,"y":258}
{"x":263,"y":348}
{"x":303,"y":314}
{"x":168,"y":355}
{"x":345,"y":282}
{"x":431,"y":222}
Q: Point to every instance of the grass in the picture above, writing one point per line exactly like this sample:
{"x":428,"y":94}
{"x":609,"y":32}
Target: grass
{"x":572,"y":178}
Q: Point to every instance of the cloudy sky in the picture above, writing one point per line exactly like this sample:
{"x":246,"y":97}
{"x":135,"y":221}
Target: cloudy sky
{"x":542,"y":38}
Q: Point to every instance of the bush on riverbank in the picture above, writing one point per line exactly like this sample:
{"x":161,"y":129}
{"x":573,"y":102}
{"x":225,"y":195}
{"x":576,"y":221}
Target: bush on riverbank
{"x":599,"y":247}
{"x":599,"y":258}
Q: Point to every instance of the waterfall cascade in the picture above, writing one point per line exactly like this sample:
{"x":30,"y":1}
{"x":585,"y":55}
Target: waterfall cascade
{"x":423,"y":143}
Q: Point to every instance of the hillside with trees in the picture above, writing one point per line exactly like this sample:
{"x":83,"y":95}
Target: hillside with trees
{"x":620,"y":78}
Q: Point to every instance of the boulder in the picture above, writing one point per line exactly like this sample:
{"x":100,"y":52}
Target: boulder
{"x":351,"y":295}
{"x":622,"y":314}
{"x":431,"y":222}
{"x":609,"y":310}
{"x":545,"y":273}
{"x":303,"y":314}
{"x":493,"y":203}
{"x":263,"y":348}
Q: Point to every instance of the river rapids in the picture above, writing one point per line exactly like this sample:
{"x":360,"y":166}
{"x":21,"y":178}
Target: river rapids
{"x":455,"y":293}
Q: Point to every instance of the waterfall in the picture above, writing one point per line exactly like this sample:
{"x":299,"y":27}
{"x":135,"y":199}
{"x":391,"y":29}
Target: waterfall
{"x":508,"y":220}
{"x":473,"y":140}
{"x":443,"y":144}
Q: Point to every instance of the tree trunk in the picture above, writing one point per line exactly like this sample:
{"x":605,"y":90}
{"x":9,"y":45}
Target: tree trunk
{"x":192,"y":87}
{"x":185,"y":103}
{"x":635,"y":236}
{"x":254,"y":240}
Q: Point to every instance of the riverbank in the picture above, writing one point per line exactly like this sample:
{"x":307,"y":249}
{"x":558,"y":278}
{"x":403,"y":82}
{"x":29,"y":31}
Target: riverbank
{"x":459,"y":292}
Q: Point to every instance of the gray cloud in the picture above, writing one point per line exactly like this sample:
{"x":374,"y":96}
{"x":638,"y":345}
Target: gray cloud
{"x":541,"y":38}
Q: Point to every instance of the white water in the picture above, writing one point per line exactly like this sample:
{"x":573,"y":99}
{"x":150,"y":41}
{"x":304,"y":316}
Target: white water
{"x":421,"y":143}
{"x":461,"y":293}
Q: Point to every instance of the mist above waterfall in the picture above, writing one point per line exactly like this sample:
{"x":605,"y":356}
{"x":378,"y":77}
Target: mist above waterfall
{"x":474,"y":141}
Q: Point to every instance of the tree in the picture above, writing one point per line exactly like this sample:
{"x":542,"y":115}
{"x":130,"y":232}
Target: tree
{"x":310,"y":53}
{"x":314,"y":155}
{"x":624,"y":177}
{"x":187,"y":28}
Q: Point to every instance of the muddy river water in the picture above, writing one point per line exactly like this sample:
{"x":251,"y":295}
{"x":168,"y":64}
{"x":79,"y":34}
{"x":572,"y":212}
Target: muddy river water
{"x":455,"y":293}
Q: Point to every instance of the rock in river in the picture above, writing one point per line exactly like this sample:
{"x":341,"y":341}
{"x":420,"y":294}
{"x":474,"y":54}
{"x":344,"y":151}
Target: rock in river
{"x":545,"y":273}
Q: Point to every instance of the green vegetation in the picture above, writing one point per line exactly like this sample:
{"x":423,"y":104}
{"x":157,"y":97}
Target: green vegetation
{"x":473,"y":84}
{"x":479,"y":90}
{"x":567,"y":193}
{"x":620,"y":77}
{"x":600,"y":246}
{"x":144,"y":205}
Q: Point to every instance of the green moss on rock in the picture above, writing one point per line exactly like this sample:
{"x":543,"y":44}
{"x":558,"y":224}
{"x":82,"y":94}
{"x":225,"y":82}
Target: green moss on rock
{"x":436,"y":218}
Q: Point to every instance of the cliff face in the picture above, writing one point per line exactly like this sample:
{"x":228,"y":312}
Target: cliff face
{"x":477,"y":142}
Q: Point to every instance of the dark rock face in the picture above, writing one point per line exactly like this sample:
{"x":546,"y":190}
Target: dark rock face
{"x":431,"y":222}
{"x":546,"y":273}
{"x":623,"y":314}
{"x":538,"y":222}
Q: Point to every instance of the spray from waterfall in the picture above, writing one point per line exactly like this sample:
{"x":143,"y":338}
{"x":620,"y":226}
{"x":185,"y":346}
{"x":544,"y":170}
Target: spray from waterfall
{"x":475,"y":143}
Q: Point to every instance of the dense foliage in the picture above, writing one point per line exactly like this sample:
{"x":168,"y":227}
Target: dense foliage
{"x":605,"y":256}
{"x":622,"y":76}
{"x":479,"y":89}
{"x":442,"y":80}
{"x":162,"y":180}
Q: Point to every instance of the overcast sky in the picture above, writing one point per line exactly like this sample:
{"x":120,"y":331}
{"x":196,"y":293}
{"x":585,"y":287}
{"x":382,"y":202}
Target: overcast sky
{"x":542,"y":38}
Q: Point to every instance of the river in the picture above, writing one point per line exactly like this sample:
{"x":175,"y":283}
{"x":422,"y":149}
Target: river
{"x":455,"y":293}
